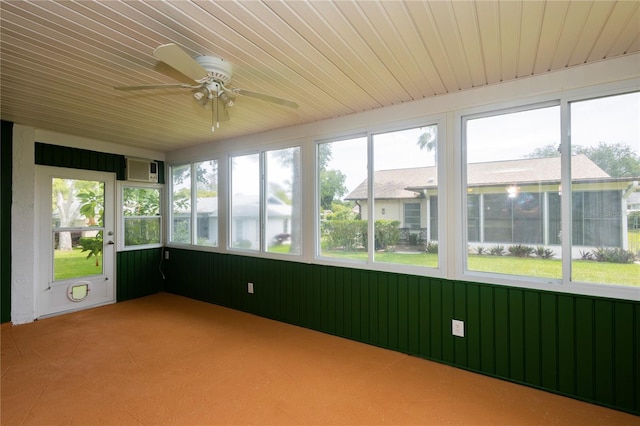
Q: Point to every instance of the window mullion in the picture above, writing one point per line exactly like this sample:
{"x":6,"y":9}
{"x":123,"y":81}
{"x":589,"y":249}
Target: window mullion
{"x":565,"y":194}
{"x":194,"y":206}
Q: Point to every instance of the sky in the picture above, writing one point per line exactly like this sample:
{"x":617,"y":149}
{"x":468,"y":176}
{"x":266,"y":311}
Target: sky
{"x":612,"y":120}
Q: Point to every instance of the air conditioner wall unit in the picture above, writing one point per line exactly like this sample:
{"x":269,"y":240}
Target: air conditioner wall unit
{"x":141,"y":170}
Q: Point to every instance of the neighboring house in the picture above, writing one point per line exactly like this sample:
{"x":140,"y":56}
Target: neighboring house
{"x":246,"y":219}
{"x":633,"y":202}
{"x":509,"y":202}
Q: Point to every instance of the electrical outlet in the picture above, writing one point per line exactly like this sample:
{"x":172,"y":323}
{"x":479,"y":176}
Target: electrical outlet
{"x":166,"y":255}
{"x":250,"y":288}
{"x":457,"y":328}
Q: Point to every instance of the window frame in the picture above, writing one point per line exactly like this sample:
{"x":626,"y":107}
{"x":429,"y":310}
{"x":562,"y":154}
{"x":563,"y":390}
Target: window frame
{"x":442,"y":162}
{"x":565,"y":283}
{"x":263,"y":196}
{"x":193,"y":213}
{"x":121,"y":217}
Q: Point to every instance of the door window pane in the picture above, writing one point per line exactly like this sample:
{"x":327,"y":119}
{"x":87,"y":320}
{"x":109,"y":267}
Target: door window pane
{"x":513,"y":168}
{"x":342,"y":173}
{"x":206,"y":201}
{"x":605,"y":138}
{"x":245,"y":202}
{"x":77,"y":224}
{"x":282,"y":210}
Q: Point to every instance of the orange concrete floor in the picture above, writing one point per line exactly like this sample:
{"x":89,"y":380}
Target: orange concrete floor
{"x":165,"y":359}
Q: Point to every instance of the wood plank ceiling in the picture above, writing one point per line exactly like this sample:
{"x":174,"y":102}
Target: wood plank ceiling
{"x":61,"y":59}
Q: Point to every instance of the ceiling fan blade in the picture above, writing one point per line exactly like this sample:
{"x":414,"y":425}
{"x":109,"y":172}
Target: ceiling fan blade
{"x":156,"y":86}
{"x":173,"y":55}
{"x":267,"y":98}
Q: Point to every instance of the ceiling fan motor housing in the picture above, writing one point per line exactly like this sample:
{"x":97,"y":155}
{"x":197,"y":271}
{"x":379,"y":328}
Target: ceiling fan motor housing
{"x":217,"y":68}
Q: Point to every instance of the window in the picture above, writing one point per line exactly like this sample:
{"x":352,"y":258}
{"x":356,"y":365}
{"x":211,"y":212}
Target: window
{"x":530,"y":214}
{"x":412,"y":217}
{"x":194,"y":185}
{"x":266,"y":218}
{"x":513,"y":167}
{"x":342,"y":178}
{"x":180,"y":231}
{"x":605,"y":232}
{"x":245,"y":202}
{"x":283,"y":211}
{"x":405,"y":181}
{"x":401,"y":213}
{"x":206,"y":203}
{"x":142,"y":220}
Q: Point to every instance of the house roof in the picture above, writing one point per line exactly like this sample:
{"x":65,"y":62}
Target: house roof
{"x":407,"y":183}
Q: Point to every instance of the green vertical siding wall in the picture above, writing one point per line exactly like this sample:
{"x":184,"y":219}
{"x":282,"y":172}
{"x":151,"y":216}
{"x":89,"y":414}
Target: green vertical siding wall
{"x":138,"y":273}
{"x":6,"y":168}
{"x":76,"y":158}
{"x":579,"y":346}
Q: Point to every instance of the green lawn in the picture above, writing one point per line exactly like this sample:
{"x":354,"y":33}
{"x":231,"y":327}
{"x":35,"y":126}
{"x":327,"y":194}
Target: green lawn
{"x":587,"y":271}
{"x":70,"y":264}
{"x":73,"y":263}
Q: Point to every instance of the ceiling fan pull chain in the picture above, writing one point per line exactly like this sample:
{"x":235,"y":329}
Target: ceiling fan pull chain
{"x":213,"y":127}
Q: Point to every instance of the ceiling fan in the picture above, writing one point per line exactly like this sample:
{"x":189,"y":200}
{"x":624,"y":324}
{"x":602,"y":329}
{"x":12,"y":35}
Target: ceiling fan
{"x":212,"y":77}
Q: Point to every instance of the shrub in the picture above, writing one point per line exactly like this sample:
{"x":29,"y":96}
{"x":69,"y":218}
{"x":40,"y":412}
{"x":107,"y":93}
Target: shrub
{"x":344,"y":234}
{"x":387,"y":233}
{"x":613,"y":255}
{"x":480,"y":250}
{"x":586,"y":255}
{"x":496,"y":250}
{"x":543,"y":253}
{"x":520,"y":250}
{"x":431,"y":247}
{"x":353,"y":234}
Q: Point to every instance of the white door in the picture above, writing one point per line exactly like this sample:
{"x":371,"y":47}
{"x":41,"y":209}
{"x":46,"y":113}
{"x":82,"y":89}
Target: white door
{"x":76,"y":239}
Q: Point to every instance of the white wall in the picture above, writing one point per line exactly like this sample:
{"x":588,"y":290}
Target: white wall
{"x":23,"y":242}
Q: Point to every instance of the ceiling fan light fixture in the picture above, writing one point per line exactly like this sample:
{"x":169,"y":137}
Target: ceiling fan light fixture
{"x":200,"y":93}
{"x":226,"y":99}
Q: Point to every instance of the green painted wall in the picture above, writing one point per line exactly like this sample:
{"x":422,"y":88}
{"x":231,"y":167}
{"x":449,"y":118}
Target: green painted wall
{"x":584,"y":347}
{"x":6,"y":168}
{"x":76,"y":158}
{"x":138,"y":273}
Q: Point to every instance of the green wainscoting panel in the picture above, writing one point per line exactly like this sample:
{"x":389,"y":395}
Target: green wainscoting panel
{"x":579,"y":346}
{"x":6,"y":185}
{"x":77,"y":158}
{"x":138,"y":273}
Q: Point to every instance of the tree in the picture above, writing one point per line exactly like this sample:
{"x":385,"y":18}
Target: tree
{"x":429,"y":141}
{"x":332,"y":182}
{"x":331,"y":187}
{"x":64,"y":198}
{"x":92,"y":209}
{"x":547,"y":151}
{"x":617,"y":160}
